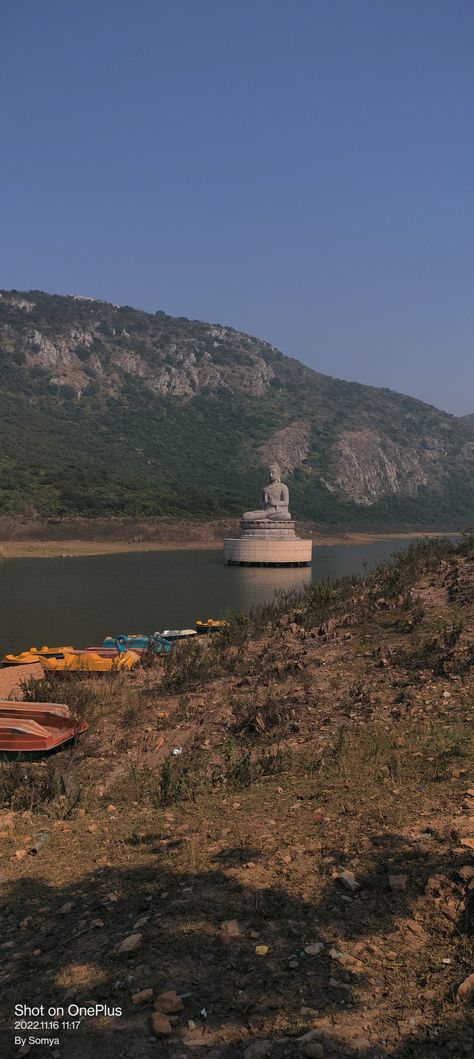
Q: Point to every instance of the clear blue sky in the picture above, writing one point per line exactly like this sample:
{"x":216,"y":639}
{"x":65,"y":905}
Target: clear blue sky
{"x":300,"y":169}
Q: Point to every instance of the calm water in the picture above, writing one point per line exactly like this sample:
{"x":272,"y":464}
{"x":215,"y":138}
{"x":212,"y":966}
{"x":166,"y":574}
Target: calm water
{"x":80,"y":600}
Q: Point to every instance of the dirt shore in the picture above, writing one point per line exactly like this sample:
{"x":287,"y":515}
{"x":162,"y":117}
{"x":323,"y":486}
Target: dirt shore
{"x":297,"y":880}
{"x":49,"y":549}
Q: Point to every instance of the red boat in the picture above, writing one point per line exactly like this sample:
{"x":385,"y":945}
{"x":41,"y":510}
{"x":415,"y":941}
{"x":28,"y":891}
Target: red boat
{"x":27,"y":727}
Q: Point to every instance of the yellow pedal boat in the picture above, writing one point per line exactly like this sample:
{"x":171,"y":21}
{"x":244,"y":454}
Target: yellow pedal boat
{"x":34,"y":655}
{"x":210,"y":625}
{"x":89,"y":662}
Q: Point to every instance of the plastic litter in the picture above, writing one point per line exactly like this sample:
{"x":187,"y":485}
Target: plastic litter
{"x":177,"y":750}
{"x":40,"y":840}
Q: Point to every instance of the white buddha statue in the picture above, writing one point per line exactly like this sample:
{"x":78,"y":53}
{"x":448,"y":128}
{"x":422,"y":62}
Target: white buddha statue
{"x":275,"y":498}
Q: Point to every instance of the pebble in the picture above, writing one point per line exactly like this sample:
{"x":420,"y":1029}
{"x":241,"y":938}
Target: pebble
{"x":169,"y":1003}
{"x":421,"y":848}
{"x":466,"y":989}
{"x":466,"y":872}
{"x":348,"y":879}
{"x":160,"y":1025}
{"x":130,"y":943}
{"x":142,"y":996}
{"x":314,"y":949}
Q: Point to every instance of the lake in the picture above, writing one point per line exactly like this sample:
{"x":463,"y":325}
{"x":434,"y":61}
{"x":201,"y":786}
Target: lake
{"x":80,"y":600}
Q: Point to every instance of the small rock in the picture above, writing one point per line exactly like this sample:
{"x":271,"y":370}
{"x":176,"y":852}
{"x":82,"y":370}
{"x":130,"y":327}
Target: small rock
{"x":160,"y":1025}
{"x":169,"y":1003}
{"x":293,"y":964}
{"x":142,"y":996}
{"x":421,"y":848}
{"x":98,"y":923}
{"x":130,"y":943}
{"x":466,"y":989}
{"x":141,"y":922}
{"x":397,"y":882}
{"x":261,"y":950}
{"x":314,"y":1050}
{"x":19,"y":854}
{"x":314,"y":949}
{"x":466,"y":872}
{"x":66,"y":909}
{"x":231,"y":929}
{"x":348,"y":879}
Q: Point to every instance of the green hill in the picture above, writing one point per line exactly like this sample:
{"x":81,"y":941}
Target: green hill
{"x":107,"y":410}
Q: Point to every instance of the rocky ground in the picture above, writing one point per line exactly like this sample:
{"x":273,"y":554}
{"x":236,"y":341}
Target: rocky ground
{"x":298,"y":878}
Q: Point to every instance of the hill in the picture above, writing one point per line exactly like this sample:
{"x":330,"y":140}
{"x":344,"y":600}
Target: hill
{"x":106,"y":410}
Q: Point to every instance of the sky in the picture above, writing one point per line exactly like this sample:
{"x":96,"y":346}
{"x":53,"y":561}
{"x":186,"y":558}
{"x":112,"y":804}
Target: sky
{"x":299,"y":169}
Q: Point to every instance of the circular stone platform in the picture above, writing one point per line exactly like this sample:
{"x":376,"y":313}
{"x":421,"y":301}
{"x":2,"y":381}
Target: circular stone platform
{"x":265,"y":542}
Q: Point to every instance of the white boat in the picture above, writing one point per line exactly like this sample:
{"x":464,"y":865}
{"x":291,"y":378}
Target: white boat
{"x":177,"y":634}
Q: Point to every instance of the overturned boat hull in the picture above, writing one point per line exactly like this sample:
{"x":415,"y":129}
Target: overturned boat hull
{"x":36,"y":727}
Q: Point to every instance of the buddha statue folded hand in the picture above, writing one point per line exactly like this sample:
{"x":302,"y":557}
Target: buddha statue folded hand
{"x":275,"y":498}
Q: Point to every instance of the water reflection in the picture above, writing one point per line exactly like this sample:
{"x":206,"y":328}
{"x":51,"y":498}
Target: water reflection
{"x":258,"y":583}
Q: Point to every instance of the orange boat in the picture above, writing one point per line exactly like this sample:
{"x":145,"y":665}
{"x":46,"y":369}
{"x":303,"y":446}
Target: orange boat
{"x":27,"y":727}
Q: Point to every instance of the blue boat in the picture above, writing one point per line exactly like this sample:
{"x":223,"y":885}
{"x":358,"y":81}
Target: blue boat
{"x":139,"y":642}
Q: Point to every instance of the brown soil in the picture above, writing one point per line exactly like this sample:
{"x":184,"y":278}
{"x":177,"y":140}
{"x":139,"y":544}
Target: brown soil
{"x":320,"y":748}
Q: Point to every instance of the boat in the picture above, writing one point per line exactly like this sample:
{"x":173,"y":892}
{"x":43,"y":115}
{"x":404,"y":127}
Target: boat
{"x":33,"y":655}
{"x":27,"y":727}
{"x":210,"y":625}
{"x":139,"y":642}
{"x":177,"y":634}
{"x":91,"y":662}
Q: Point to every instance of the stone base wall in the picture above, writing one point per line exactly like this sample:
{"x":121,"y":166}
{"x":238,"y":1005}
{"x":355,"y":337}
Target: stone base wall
{"x":268,"y":529}
{"x":251,"y":551}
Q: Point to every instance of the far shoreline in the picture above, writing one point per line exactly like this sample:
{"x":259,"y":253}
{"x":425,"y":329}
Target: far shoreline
{"x":66,"y":549}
